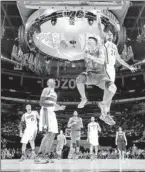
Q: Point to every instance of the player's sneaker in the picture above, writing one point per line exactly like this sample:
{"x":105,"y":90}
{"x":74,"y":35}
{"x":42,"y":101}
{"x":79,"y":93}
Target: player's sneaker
{"x":33,"y":155}
{"x":102,"y":117}
{"x":22,"y":158}
{"x":46,"y":157}
{"x":92,"y":157}
{"x":109,"y":120}
{"x":40,"y":161}
{"x":74,"y":156}
{"x":82,"y":103}
{"x":96,"y":156}
{"x":59,"y":157}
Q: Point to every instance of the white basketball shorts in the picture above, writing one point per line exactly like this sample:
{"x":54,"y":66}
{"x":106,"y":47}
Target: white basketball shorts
{"x":51,"y":120}
{"x":29,"y":134}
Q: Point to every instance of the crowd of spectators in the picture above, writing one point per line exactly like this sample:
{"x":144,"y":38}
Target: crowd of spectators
{"x":133,"y":125}
{"x":9,"y":153}
{"x":113,"y":154}
{"x":9,"y":124}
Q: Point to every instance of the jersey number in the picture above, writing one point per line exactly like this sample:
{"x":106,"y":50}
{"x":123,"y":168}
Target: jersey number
{"x":112,"y":53}
{"x":32,"y":119}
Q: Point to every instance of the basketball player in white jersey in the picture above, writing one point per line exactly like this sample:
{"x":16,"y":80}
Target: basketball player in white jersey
{"x":93,"y":128}
{"x":48,"y":121}
{"x":61,"y":141}
{"x":112,"y":57}
{"x":30,"y":119}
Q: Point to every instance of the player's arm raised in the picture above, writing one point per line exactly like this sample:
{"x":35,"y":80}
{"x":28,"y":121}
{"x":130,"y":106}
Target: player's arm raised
{"x":102,"y":34}
{"x":21,"y":124}
{"x":122,"y":62}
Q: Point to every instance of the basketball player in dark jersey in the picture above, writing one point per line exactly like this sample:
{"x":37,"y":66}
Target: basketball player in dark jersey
{"x":76,"y":124}
{"x":121,"y":143}
{"x":48,"y":119}
{"x":95,"y":74}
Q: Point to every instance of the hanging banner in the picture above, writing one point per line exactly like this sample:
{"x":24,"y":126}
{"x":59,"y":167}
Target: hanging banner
{"x":35,"y":63}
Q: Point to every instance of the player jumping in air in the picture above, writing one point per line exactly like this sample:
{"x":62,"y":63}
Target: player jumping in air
{"x":95,"y":60}
{"x":112,"y":56}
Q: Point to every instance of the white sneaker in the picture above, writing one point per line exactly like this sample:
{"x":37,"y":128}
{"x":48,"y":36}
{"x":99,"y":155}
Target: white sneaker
{"x":41,"y":161}
{"x":82,"y":103}
{"x":109,"y":120}
{"x":112,"y":88}
{"x":92,"y":157}
{"x":102,"y":117}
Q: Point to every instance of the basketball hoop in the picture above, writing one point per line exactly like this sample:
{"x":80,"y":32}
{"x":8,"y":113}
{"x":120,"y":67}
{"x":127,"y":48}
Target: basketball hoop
{"x":73,"y":15}
{"x":65,"y":13}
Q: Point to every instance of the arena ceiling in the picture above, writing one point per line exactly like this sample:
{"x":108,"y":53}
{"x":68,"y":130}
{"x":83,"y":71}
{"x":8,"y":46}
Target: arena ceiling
{"x":134,"y":19}
{"x":11,"y":21}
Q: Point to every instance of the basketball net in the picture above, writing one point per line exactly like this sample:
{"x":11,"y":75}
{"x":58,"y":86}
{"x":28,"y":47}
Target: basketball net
{"x":73,"y":15}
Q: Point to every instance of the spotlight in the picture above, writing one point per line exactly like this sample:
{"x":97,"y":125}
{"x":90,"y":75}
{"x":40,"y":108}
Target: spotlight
{"x":90,"y":21}
{"x":53,"y":21}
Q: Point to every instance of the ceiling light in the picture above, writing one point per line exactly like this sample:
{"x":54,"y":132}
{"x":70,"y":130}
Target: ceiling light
{"x":90,"y":21}
{"x":54,"y":21}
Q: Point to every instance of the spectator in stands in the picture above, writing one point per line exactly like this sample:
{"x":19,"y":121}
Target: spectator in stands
{"x":134,"y":149}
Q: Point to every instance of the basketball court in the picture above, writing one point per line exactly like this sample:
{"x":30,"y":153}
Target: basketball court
{"x":66,"y":165}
